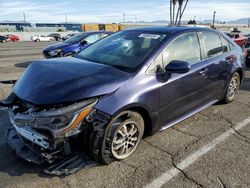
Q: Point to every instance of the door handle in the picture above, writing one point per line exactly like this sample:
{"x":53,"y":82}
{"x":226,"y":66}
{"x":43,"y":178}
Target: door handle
{"x":229,"y":60}
{"x":203,"y":72}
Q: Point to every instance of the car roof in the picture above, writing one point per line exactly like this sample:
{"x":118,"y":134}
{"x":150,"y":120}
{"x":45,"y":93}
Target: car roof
{"x":170,"y":29}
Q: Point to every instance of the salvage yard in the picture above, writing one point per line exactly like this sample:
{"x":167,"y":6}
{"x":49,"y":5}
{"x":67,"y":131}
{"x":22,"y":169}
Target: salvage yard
{"x":210,"y":149}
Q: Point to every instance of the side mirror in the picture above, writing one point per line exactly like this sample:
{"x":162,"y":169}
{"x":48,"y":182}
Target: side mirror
{"x":84,"y":42}
{"x":177,"y":66}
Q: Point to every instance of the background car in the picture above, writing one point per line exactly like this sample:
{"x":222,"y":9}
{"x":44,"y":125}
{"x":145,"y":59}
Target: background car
{"x":3,"y":39}
{"x":73,"y":44}
{"x":68,"y":36}
{"x":13,"y":38}
{"x":239,"y":39}
{"x":56,"y":36}
{"x":43,"y":38}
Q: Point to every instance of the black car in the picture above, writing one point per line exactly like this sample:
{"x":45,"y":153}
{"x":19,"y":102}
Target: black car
{"x":3,"y":39}
{"x":56,"y":36}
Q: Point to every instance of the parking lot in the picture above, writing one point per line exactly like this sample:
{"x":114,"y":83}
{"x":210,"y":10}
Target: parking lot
{"x":210,"y":149}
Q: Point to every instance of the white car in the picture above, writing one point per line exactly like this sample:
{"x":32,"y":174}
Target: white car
{"x":38,"y":38}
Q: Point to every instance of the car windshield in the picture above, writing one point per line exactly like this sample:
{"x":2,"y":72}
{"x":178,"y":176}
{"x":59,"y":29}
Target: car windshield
{"x":125,"y":50}
{"x":76,"y":38}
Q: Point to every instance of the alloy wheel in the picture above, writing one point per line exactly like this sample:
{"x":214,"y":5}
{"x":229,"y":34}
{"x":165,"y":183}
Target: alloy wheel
{"x":126,"y":140}
{"x":233,"y":87}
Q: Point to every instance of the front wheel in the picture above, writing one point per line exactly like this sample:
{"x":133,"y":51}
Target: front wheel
{"x":232,"y":89}
{"x":122,"y":136}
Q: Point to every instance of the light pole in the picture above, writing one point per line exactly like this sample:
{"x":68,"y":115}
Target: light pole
{"x":214,"y":19}
{"x":24,"y":17}
{"x":124,"y":17}
{"x":135,"y":18}
{"x":66,"y":18}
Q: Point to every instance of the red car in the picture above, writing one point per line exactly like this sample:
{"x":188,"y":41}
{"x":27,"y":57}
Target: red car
{"x":13,"y":38}
{"x":239,"y":39}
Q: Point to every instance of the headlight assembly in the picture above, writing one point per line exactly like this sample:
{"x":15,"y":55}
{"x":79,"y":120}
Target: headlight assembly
{"x":61,"y":122}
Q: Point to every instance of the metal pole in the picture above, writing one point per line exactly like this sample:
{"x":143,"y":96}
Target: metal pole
{"x":66,"y":18}
{"x":214,"y":19}
{"x":171,"y":15}
{"x":24,"y":17}
{"x":124,"y":17}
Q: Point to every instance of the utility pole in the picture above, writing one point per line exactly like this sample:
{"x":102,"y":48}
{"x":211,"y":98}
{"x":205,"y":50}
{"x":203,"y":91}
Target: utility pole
{"x":66,"y":18}
{"x":170,"y":11}
{"x":214,"y":19}
{"x":24,"y":17}
{"x":248,"y":25}
{"x":124,"y":17}
{"x":135,"y":18}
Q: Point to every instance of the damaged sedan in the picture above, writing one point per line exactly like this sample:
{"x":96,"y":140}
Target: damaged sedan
{"x":95,"y":107}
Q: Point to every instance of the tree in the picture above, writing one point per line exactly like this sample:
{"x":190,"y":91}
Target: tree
{"x":191,"y":22}
{"x":175,"y":18}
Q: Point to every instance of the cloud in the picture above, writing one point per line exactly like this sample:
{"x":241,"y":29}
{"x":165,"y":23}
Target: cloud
{"x":109,"y":11}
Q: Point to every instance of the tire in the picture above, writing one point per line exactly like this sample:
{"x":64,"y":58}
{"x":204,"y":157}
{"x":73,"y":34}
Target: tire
{"x":14,"y":40}
{"x":122,"y":137}
{"x":232,"y":88}
{"x":37,"y":40}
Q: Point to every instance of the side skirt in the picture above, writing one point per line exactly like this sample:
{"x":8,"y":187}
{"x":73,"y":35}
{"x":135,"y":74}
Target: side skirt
{"x":170,"y":124}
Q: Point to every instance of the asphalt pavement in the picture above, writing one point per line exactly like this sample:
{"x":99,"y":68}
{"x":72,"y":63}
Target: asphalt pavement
{"x":209,"y":149}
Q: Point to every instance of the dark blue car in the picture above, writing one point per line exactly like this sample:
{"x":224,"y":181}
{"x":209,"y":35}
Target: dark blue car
{"x":96,"y":107}
{"x":73,"y":44}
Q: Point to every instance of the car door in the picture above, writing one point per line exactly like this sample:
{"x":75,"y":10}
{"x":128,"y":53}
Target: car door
{"x":182,"y":93}
{"x":219,"y":59}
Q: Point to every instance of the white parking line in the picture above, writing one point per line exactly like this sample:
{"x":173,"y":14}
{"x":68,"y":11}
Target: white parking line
{"x":168,"y":175}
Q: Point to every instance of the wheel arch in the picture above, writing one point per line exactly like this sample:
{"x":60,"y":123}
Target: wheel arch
{"x":241,"y":73}
{"x":144,"y":112}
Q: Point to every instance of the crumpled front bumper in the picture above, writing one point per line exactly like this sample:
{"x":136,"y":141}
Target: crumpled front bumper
{"x":22,"y":150}
{"x":68,"y":164}
{"x":64,"y":155}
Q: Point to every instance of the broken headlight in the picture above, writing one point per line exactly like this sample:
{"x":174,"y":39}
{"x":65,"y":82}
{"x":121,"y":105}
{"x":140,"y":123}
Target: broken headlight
{"x":61,"y":122}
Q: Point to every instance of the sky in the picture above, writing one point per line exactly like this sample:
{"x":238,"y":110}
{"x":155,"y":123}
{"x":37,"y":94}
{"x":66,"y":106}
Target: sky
{"x":111,"y":11}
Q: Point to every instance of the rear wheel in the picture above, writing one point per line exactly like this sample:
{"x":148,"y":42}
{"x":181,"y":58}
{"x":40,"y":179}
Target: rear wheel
{"x":37,"y":40}
{"x":232,"y":89}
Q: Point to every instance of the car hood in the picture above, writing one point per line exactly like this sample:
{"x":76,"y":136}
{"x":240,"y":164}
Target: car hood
{"x":55,"y":46}
{"x":63,"y":80}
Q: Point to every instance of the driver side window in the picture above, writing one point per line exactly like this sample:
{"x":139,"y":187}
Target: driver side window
{"x":184,"y":48}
